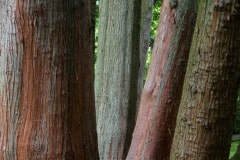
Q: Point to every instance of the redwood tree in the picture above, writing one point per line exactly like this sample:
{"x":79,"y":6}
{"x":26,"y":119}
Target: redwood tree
{"x":206,"y":113}
{"x":46,"y":86}
{"x":161,"y":95}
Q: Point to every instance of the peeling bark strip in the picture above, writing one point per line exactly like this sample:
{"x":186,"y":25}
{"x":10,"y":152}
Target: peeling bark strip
{"x":161,"y":95}
{"x":47,"y":94}
{"x":206,"y":113}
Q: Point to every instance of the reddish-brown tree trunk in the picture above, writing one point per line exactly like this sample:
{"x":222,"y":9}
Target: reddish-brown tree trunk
{"x":47,"y":98}
{"x":161,"y":95}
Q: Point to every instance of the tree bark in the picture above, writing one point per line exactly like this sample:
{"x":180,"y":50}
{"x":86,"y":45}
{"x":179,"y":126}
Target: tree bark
{"x":47,"y":96}
{"x":206,"y":113}
{"x":117,"y":75}
{"x":161,"y":95}
{"x":145,"y":27}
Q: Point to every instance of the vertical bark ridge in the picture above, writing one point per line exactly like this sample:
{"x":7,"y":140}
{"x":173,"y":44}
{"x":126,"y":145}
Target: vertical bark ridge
{"x":10,"y":81}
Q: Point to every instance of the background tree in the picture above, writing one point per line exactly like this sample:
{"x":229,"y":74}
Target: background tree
{"x":154,"y":130}
{"x":46,"y":67}
{"x":206,"y":113}
{"x":118,"y":71}
{"x":145,"y":30}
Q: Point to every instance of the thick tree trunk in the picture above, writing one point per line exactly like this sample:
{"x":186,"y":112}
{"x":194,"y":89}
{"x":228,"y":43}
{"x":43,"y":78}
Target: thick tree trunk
{"x":46,"y":97}
{"x":117,"y":75}
{"x":162,"y":92}
{"x":207,"y":108}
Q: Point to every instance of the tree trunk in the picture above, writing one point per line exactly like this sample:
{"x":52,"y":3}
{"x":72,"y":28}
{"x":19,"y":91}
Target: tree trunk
{"x":46,"y":94}
{"x":161,"y":95}
{"x":117,"y":75}
{"x":145,"y":27}
{"x":206,"y":113}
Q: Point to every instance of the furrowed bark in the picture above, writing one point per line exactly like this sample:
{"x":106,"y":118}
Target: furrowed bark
{"x":10,"y":81}
{"x":161,"y":95}
{"x":53,"y":110}
{"x":206,"y":113}
{"x":117,"y":71}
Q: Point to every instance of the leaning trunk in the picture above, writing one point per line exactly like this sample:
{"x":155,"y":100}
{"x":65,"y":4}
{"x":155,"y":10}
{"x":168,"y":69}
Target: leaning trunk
{"x":46,"y":97}
{"x":161,"y":95}
{"x":208,"y":104}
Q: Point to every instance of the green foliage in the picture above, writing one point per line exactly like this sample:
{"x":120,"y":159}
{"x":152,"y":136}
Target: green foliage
{"x":153,"y":31}
{"x":236,"y":129}
{"x":147,"y":65}
{"x":96,"y":30}
{"x":155,"y":19}
{"x":233,"y":148}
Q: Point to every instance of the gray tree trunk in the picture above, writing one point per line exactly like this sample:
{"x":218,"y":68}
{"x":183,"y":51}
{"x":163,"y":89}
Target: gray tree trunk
{"x":46,"y":85}
{"x":119,"y":65}
{"x":146,"y":18}
{"x":206,"y":113}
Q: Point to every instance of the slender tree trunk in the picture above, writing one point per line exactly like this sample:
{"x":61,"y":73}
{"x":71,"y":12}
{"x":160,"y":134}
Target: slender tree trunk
{"x":145,"y":26}
{"x":206,"y":113}
{"x":162,"y":92}
{"x":46,"y":97}
{"x":118,"y":68}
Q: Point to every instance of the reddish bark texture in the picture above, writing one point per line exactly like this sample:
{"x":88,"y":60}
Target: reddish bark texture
{"x":56,"y":112}
{"x":161,"y":95}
